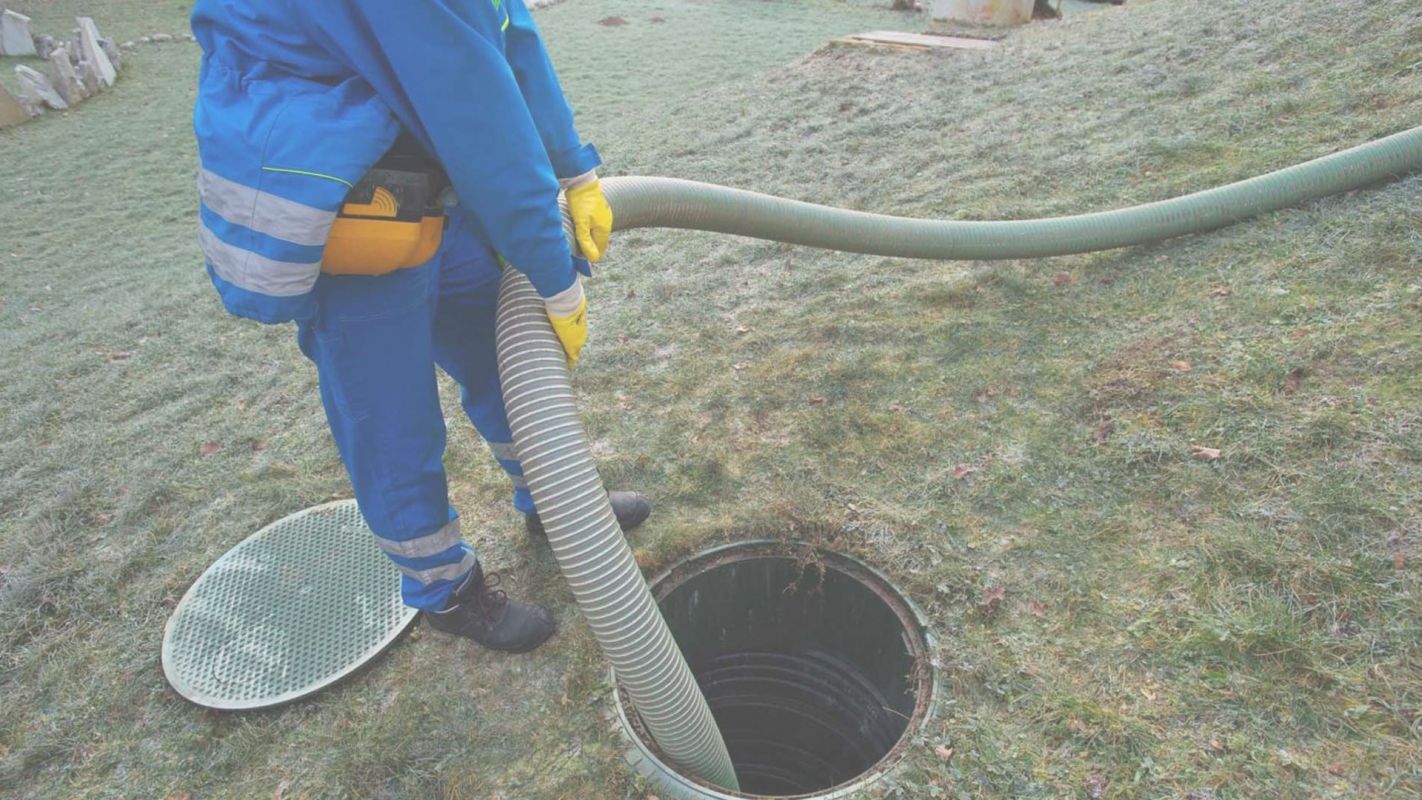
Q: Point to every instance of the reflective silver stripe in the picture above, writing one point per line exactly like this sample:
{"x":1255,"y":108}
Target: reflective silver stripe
{"x":448,"y":572}
{"x":423,"y":546}
{"x":264,"y":212}
{"x":504,"y":451}
{"x":256,"y":273}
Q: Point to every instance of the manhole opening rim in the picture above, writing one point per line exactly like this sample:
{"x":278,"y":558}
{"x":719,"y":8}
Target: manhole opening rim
{"x":918,"y":636}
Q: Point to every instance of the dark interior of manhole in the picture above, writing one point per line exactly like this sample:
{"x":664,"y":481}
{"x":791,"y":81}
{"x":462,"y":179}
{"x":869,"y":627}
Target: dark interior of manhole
{"x":808,"y":665}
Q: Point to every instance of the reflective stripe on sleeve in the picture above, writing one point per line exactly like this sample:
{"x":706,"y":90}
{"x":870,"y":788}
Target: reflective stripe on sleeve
{"x":423,"y":546}
{"x":256,"y":273}
{"x":264,"y":212}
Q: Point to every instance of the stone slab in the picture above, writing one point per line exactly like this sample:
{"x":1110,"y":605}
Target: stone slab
{"x":11,"y":112}
{"x":15,"y":39}
{"x":64,"y":78}
{"x":918,"y":40}
{"x":37,"y":86}
{"x":94,"y":53}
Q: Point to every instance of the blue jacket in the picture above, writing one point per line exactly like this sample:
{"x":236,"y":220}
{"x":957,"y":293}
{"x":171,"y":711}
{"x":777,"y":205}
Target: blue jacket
{"x":298,"y":99}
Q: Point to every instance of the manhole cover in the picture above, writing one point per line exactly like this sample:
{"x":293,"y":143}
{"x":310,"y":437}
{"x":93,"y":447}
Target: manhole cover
{"x":294,"y":608}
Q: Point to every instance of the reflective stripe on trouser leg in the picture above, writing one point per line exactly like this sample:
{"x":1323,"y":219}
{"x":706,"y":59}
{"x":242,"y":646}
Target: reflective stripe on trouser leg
{"x":464,"y":346}
{"x":372,"y":346}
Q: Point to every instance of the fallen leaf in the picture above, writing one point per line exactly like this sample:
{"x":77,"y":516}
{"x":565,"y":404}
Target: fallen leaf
{"x":992,"y":599}
{"x":104,"y":517}
{"x":120,"y":355}
{"x":612,"y":22}
{"x":1219,"y":291}
{"x":983,"y":395}
{"x":1063,"y":278}
{"x":1103,"y":432}
{"x":1336,"y":769}
{"x":258,"y":445}
{"x":816,"y":400}
{"x":1216,"y":745}
{"x":1293,"y":380}
{"x":739,"y":367}
{"x":1205,"y":453}
{"x":963,"y":470}
{"x":1399,"y":561}
{"x":208,"y":448}
{"x":1181,"y":366}
{"x":741,"y":331}
{"x":632,"y":294}
{"x":655,"y":20}
{"x":1037,"y":609}
{"x":943,"y":752}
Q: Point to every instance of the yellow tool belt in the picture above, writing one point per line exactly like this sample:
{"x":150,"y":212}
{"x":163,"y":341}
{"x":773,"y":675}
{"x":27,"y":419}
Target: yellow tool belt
{"x":392,"y":219}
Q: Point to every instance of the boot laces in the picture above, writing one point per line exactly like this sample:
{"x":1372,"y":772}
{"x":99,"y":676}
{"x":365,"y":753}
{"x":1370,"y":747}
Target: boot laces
{"x":489,"y":599}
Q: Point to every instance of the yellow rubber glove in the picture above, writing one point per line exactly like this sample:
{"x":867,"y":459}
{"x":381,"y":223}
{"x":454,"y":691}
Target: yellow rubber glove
{"x":568,"y":311}
{"x":592,"y":216}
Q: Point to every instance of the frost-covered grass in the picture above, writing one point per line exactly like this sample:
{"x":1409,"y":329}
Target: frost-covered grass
{"x":1173,"y":627}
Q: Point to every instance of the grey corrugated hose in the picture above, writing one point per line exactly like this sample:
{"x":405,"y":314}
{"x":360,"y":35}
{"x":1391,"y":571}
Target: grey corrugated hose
{"x":582,"y":530}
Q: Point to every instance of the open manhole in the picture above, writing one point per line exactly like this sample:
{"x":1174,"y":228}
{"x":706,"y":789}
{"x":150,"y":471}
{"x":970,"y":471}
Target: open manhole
{"x":816,"y":669}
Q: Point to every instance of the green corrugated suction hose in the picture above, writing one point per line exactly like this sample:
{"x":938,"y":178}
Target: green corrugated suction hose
{"x":558,"y":464}
{"x":670,"y":203}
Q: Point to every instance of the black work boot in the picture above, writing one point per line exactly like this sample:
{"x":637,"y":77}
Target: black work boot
{"x":631,"y":508}
{"x":485,"y":614}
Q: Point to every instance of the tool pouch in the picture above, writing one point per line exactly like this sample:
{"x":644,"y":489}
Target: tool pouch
{"x":392,"y":219}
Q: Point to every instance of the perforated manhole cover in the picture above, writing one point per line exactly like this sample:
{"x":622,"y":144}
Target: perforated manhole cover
{"x":294,"y":608}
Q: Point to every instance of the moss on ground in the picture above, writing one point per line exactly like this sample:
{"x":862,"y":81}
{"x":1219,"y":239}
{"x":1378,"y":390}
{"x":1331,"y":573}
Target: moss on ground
{"x":1173,"y":626}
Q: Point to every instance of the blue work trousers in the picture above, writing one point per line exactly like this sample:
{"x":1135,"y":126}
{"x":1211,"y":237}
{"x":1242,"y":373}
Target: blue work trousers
{"x":375,"y":342}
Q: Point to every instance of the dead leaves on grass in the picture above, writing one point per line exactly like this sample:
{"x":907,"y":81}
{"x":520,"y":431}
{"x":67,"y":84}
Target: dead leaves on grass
{"x":1204,"y":453}
{"x":992,"y":599}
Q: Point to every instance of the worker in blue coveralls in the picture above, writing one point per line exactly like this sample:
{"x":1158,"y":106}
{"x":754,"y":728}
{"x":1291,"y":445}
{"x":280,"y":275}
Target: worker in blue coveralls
{"x":319,"y":122}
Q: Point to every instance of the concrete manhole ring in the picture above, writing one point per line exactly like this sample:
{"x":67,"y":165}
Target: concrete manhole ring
{"x":817,"y":669}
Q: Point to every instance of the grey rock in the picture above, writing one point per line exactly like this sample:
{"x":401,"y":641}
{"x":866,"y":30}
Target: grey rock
{"x":12,"y":112}
{"x":145,"y":39}
{"x":64,"y":77}
{"x":93,"y":53}
{"x":44,"y":45}
{"x":127,"y":45}
{"x":89,"y":78}
{"x":37,"y":87}
{"x":111,"y":50}
{"x":162,"y":37}
{"x":15,"y":38}
{"x":33,"y":106}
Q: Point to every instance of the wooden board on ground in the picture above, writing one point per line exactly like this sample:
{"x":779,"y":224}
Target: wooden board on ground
{"x":915,"y":41}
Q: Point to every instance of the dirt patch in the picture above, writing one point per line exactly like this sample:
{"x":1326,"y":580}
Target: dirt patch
{"x":612,"y":22}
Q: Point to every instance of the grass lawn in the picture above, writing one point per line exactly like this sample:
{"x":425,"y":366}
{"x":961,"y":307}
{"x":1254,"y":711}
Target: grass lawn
{"x":1172,"y":626}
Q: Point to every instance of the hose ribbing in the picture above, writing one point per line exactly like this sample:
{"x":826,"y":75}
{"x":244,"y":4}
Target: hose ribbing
{"x":588,"y":543}
{"x":639,"y":202}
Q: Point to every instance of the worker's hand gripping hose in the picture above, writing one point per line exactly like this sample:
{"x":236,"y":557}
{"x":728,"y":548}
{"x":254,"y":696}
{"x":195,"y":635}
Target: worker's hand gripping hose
{"x":584,"y":534}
